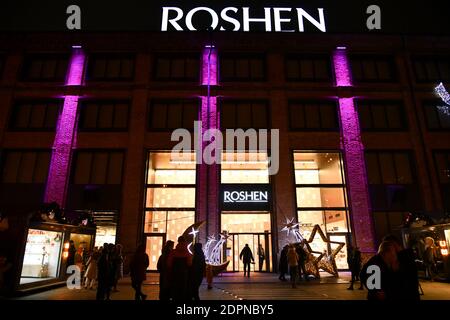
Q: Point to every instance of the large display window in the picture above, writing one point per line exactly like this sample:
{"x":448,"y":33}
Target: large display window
{"x":42,"y":256}
{"x":322,"y":198}
{"x":169,"y":199}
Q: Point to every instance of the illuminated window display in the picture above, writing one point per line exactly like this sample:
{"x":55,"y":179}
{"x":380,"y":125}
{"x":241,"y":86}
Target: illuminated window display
{"x":246,"y":226}
{"x":105,"y":234}
{"x":42,"y":256}
{"x":321,"y":198}
{"x":169,"y":200}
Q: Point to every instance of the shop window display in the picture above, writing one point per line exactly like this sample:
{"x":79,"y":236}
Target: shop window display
{"x":42,"y":256}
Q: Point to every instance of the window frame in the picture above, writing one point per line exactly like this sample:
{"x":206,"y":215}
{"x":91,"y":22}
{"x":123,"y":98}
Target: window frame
{"x":318,"y":102}
{"x":384,"y":103}
{"x":238,"y":56}
{"x":425,"y":104}
{"x":236,"y":102}
{"x":309,"y":56}
{"x":100,"y":102}
{"x":5,"y":151}
{"x":28,"y":59}
{"x":182,"y":101}
{"x":389,"y":58}
{"x":422,"y":59}
{"x":95,"y":56}
{"x":175,"y":56}
{"x":20,"y":102}
{"x":92,"y":152}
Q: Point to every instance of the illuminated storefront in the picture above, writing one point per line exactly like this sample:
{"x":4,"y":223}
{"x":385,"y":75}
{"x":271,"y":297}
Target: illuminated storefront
{"x":45,"y":252}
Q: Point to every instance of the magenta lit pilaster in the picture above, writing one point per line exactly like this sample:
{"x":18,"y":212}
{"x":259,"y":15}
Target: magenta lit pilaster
{"x":362,"y":221}
{"x":209,"y":66}
{"x":65,"y":134}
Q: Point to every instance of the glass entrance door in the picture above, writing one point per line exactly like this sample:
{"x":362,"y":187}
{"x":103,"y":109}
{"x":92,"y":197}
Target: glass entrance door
{"x":260,"y":245}
{"x":153,"y":247}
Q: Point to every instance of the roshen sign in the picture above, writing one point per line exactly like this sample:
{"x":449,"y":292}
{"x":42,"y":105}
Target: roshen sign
{"x":245,"y":197}
{"x":240,"y":19}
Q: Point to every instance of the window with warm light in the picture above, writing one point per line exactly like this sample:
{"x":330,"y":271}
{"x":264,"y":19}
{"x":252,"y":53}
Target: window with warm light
{"x":320,"y":191}
{"x":250,"y":167}
{"x":169,"y":200}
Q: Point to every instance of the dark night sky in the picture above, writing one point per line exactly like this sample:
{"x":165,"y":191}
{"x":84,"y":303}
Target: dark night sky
{"x":342,"y":16}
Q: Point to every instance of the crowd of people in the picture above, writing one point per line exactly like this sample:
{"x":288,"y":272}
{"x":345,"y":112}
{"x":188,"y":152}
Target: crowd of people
{"x":398,"y":278}
{"x":293,"y":260}
{"x":101,"y":268}
{"x":180,"y":272}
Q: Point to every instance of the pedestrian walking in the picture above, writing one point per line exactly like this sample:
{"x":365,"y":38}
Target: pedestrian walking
{"x":261,"y":257}
{"x":283,"y":263}
{"x":91,"y":271}
{"x":292,"y":258}
{"x":103,"y":270}
{"x":198,"y":269}
{"x":164,"y":272}
{"x":354,"y":264}
{"x":118,"y":261}
{"x":247,"y":257}
{"x":138,"y":269}
{"x":299,"y":249}
{"x":71,"y":254}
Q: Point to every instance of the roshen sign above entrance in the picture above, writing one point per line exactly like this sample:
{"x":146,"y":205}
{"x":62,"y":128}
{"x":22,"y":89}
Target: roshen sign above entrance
{"x":240,"y":19}
{"x":239,"y":197}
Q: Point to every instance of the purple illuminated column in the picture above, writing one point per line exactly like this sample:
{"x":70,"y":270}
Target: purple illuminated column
{"x":362,"y":220}
{"x":65,"y":134}
{"x":209,"y":174}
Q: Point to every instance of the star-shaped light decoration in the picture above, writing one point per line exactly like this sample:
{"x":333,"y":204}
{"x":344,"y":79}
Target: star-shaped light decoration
{"x":194,"y":233}
{"x":293,"y":227}
{"x":329,"y":264}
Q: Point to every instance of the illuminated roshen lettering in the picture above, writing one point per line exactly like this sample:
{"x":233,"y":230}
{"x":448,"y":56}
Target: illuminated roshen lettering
{"x":245,"y":196}
{"x":235,"y":19}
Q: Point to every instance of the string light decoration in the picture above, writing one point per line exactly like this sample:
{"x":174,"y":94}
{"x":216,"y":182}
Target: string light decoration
{"x":214,"y":256}
{"x":445,"y":97}
{"x":207,"y":248}
{"x":329,"y":264}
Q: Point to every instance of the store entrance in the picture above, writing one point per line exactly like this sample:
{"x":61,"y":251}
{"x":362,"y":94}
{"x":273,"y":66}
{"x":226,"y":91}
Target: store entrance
{"x":153,"y":246}
{"x":260,"y":245}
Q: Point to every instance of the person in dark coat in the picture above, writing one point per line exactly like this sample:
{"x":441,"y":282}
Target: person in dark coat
{"x":179,"y":263}
{"x":408,"y":270}
{"x":198,"y":269}
{"x":283,"y":264}
{"x":163,"y":269}
{"x":354,"y":264}
{"x":390,"y":278}
{"x":247,"y":257}
{"x":301,"y":261}
{"x":261,"y":257}
{"x":103,"y":273}
{"x":138,"y":269}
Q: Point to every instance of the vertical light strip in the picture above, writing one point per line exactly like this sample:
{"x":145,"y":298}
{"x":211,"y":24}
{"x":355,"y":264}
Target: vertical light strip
{"x":59,"y":169}
{"x":354,"y":155}
{"x":209,"y":181}
{"x":209,"y":66}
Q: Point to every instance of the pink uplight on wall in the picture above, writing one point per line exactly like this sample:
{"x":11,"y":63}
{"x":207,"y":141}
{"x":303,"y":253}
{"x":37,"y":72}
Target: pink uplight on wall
{"x":342,"y":68}
{"x":209,"y":66}
{"x":354,"y":154}
{"x":65,"y":134}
